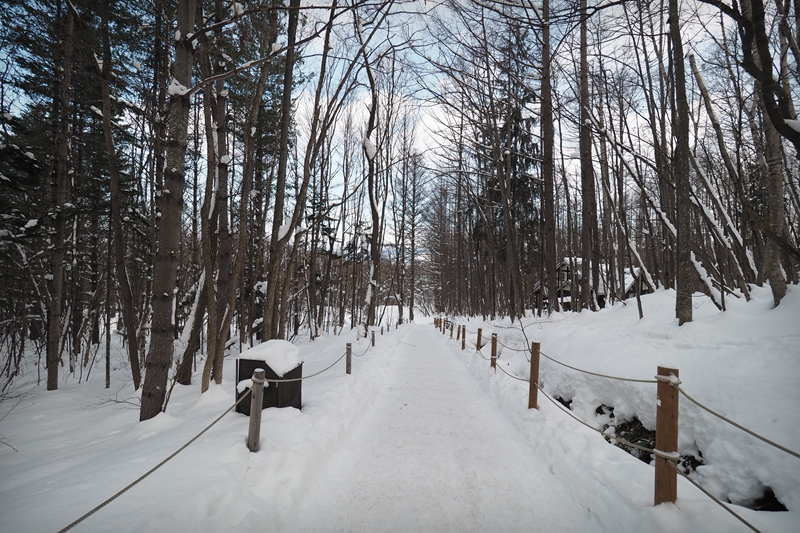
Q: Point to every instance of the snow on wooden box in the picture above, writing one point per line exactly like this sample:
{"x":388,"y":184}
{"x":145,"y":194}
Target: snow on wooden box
{"x":280,"y":360}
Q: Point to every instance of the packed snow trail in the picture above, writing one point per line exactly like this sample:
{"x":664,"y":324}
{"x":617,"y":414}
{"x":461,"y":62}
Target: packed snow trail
{"x":426,"y":458}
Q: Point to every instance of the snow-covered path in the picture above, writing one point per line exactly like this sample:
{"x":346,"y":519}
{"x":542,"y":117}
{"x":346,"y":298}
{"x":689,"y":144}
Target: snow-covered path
{"x":425,"y":458}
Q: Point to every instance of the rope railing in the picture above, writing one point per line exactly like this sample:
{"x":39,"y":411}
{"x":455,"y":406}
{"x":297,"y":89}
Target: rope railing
{"x":362,"y":354}
{"x":734,"y":424}
{"x":632,"y":380}
{"x":310,"y":375}
{"x":670,"y":458}
{"x":717,"y":500}
{"x":159,"y":465}
{"x":193,"y":439}
{"x":513,"y":349}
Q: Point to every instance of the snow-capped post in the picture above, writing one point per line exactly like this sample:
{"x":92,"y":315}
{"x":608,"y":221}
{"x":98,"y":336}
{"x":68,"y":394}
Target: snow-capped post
{"x":494,"y":352}
{"x":666,"y":486}
{"x":256,"y":401}
{"x":478,"y":344}
{"x":373,"y":337}
{"x":349,"y":360}
{"x":533,"y":393}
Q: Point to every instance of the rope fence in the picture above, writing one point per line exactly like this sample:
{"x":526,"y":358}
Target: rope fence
{"x":665,"y":451}
{"x":247,"y":394}
{"x":159,"y":465}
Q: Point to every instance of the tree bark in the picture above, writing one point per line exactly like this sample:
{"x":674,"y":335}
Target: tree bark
{"x":680,"y":165}
{"x":126,"y":296}
{"x":59,"y":195}
{"x":169,"y":204}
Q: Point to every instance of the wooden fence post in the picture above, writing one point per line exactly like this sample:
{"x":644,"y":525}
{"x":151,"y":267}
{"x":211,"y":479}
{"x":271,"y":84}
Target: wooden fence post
{"x":494,"y":351}
{"x":666,"y":486}
{"x":373,"y":337}
{"x":451,"y":330}
{"x":464,"y":337}
{"x":256,"y":404}
{"x":458,"y":333}
{"x":349,"y":359}
{"x":381,"y":329}
{"x":533,"y":394}
{"x":478,"y":345}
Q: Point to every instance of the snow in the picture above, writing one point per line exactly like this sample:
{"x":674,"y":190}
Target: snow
{"x":281,"y":356}
{"x":237,"y":9}
{"x":283,"y":230}
{"x":225,"y":159}
{"x":32,"y":223}
{"x":96,"y":110}
{"x":276,"y":47}
{"x":794,"y":124}
{"x":247,"y":384}
{"x":176,"y":88}
{"x":370,"y":149}
{"x":137,"y":66}
{"x":423,"y":436}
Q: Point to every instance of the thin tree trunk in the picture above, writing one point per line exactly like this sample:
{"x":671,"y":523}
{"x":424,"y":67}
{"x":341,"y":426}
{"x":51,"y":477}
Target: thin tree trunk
{"x":684,"y":277}
{"x":126,"y":296}
{"x":56,"y":256}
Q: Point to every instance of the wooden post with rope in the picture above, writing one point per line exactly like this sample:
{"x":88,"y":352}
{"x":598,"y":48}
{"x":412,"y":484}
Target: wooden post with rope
{"x":494,"y":352}
{"x":533,"y":393}
{"x":666,"y":486}
{"x":478,"y":345}
{"x":451,"y":330}
{"x":256,"y":404}
{"x":349,"y":360}
{"x":464,"y":337}
{"x":458,"y":333}
{"x":373,"y":337}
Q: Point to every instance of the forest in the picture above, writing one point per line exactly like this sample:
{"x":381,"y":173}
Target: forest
{"x":189,"y":176}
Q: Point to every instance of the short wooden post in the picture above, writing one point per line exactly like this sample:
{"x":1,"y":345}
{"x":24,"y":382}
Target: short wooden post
{"x":533,"y":393}
{"x":444,"y":326}
{"x":256,"y":404}
{"x":478,"y":345}
{"x":381,"y":329}
{"x":349,"y":359}
{"x":464,"y":338}
{"x":458,"y":332}
{"x":373,"y":337}
{"x":451,"y":329}
{"x":666,"y":487}
{"x":494,"y":352}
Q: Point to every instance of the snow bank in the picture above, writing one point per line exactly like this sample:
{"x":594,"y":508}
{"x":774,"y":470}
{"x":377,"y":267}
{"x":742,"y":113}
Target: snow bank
{"x":743,"y":363}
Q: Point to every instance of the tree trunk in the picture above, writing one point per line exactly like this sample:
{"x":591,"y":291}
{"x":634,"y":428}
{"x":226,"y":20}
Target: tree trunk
{"x":680,"y":165}
{"x":169,"y":204}
{"x":59,"y":195}
{"x":548,"y":169}
{"x":126,"y":296}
